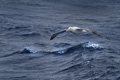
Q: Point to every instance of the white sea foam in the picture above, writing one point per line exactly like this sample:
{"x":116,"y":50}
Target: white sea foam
{"x":31,"y":49}
{"x":92,"y":45}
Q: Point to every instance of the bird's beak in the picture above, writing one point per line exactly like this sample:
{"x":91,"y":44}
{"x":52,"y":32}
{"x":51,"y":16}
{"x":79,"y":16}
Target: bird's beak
{"x":67,"y":30}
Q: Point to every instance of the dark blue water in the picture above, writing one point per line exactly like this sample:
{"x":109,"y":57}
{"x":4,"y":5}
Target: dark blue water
{"x":26,"y":52}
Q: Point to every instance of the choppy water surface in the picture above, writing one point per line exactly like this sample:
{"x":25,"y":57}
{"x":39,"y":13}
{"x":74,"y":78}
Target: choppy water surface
{"x":26,"y":52}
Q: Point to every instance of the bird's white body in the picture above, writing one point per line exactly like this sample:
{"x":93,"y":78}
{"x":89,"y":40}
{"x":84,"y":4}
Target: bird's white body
{"x":76,"y":29}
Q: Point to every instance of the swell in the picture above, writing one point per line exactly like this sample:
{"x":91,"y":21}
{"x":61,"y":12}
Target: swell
{"x":87,"y":46}
{"x":80,"y":48}
{"x":30,"y":34}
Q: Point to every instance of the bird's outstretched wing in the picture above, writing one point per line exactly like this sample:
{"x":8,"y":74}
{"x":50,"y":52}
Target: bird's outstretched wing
{"x":94,"y":32}
{"x":55,"y":34}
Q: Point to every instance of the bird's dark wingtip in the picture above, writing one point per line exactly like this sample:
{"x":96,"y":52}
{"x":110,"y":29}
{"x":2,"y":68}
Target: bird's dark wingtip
{"x":51,"y":39}
{"x":55,"y":34}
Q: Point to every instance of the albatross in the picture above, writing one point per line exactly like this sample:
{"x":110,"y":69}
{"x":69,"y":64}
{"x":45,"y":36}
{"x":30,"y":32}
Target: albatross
{"x":77,"y":30}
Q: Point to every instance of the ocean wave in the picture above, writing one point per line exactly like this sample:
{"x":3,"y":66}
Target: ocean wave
{"x":81,"y":48}
{"x":30,"y":34}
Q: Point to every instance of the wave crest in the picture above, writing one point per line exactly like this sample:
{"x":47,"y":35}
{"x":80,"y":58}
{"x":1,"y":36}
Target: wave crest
{"x":81,"y":48}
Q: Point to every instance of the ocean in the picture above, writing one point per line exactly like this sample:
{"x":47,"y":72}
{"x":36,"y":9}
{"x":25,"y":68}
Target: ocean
{"x":27,"y":53}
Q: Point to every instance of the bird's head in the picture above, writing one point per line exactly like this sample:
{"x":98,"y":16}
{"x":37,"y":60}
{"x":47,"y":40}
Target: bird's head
{"x":69,"y":29}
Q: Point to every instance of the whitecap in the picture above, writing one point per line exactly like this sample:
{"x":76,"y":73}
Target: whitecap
{"x":62,"y":51}
{"x":92,"y":45}
{"x":30,"y":49}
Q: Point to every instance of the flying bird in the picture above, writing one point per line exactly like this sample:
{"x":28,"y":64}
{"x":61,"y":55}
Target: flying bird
{"x":76,"y":30}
